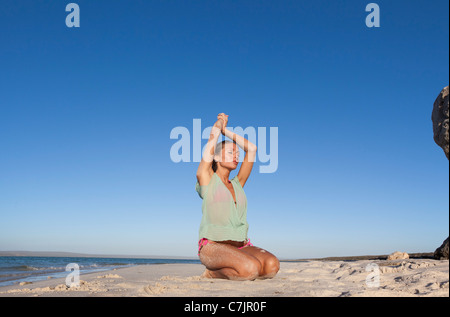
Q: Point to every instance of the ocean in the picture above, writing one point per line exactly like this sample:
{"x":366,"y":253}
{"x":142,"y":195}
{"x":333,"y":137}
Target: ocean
{"x":17,"y":269}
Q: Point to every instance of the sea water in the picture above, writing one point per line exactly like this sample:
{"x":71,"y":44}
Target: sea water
{"x":17,"y":269}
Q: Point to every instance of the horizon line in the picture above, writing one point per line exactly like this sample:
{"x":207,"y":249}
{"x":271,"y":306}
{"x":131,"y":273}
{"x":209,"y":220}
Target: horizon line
{"x":87,"y":255}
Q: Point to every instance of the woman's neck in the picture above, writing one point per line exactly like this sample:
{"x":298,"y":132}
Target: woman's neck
{"x":224,"y":175}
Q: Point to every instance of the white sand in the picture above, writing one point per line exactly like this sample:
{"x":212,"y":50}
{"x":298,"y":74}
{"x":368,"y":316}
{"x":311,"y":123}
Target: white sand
{"x":411,"y":277}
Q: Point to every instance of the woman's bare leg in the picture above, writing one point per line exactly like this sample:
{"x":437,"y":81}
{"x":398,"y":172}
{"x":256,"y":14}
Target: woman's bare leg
{"x":228,"y":262}
{"x":270,"y":265}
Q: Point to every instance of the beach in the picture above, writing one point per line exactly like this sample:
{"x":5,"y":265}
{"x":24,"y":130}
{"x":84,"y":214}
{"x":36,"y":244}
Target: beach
{"x":362,"y":278}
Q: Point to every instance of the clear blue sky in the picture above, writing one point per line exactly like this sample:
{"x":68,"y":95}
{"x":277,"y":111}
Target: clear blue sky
{"x":86,"y":114}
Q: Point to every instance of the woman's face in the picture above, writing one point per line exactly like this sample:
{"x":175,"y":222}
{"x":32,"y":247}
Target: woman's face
{"x":230,"y":156}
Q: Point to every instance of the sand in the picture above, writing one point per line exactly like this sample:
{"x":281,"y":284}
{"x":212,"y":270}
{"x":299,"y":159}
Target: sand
{"x":400,"y":278}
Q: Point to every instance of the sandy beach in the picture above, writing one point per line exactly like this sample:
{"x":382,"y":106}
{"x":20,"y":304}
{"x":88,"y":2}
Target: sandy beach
{"x":365,"y":278}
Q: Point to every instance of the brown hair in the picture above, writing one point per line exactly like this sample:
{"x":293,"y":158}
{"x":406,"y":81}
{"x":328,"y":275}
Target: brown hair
{"x":218,"y":150}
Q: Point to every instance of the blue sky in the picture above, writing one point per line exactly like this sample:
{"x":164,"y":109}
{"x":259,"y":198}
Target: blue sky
{"x":86,"y":114}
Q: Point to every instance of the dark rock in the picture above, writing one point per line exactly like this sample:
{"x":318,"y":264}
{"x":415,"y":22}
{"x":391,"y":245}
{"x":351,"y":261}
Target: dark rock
{"x":441,"y":253}
{"x":440,"y":131}
{"x":440,"y":120}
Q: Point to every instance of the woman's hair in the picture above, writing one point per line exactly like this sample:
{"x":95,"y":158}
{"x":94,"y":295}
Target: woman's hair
{"x":218,"y":150}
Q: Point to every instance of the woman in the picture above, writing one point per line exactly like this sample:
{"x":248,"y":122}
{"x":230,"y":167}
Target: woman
{"x":223,"y":247}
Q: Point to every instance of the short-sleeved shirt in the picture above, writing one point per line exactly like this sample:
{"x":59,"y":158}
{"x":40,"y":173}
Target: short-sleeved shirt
{"x":222,"y":219}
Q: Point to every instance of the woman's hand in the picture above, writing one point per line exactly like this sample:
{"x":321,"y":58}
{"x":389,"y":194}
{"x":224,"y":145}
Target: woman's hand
{"x":224,"y":118}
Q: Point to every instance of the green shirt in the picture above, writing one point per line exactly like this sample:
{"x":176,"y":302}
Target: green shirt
{"x":222,"y":219}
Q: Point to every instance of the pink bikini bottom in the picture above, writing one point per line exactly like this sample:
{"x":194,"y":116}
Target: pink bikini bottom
{"x":205,"y":241}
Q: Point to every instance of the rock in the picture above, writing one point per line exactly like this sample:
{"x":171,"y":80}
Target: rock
{"x":440,"y":131}
{"x":398,"y":256}
{"x":441,"y":253}
{"x":440,"y":119}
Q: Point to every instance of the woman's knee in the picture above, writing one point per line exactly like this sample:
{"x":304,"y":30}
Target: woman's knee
{"x":249,"y":270}
{"x":271,"y":267}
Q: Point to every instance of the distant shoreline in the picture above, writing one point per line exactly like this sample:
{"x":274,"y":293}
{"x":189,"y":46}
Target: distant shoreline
{"x":424,"y":255}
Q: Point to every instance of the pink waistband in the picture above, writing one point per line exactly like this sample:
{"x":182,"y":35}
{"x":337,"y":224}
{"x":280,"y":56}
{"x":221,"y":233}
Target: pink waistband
{"x":202,"y":242}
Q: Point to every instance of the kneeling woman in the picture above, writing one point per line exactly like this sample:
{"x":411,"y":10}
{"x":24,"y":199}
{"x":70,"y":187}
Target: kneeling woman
{"x":224,"y":247}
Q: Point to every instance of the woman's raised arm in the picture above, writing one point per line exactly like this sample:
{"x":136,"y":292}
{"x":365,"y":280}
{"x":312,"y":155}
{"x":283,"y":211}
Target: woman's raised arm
{"x":245,"y":144}
{"x":205,"y":167}
{"x":250,"y":155}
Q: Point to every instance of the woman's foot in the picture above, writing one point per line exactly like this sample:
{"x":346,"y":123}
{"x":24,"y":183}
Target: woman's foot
{"x":206,"y":274}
